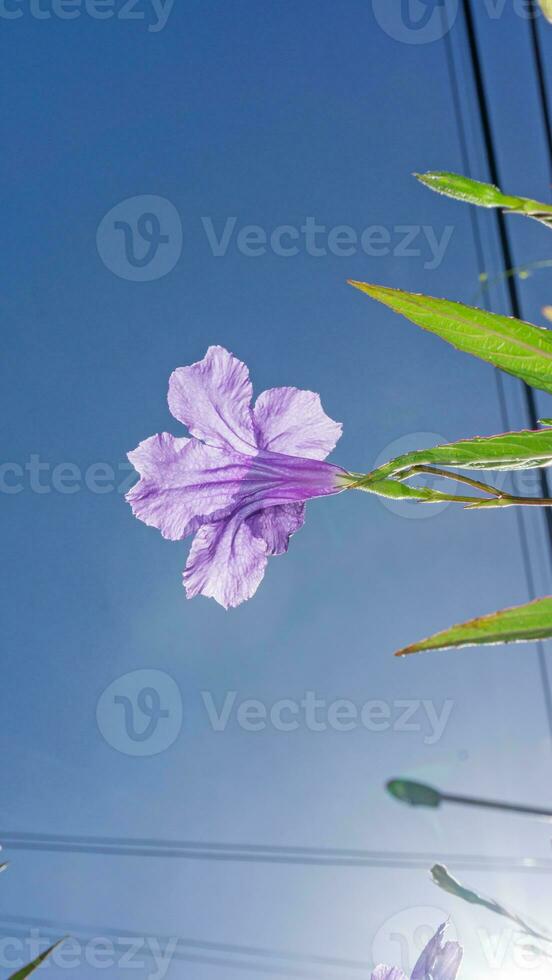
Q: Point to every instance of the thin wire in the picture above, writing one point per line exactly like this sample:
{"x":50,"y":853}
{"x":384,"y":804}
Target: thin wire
{"x":512,"y":291}
{"x":492,"y":161}
{"x":163,"y":843}
{"x":541,"y":78}
{"x":160,"y":843}
{"x":324,"y":857}
{"x":258,"y":967}
{"x":235,"y":950}
{"x":232,"y":856}
{"x":503,"y":407}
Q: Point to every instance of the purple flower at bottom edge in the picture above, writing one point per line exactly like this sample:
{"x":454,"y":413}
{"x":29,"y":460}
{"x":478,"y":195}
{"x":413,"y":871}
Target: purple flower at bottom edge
{"x":241,"y":482}
{"x":438,"y":961}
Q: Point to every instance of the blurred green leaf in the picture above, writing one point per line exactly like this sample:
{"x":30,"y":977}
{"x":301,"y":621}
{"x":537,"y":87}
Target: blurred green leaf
{"x":27,"y":970}
{"x":485,"y":195}
{"x":516,"y":347}
{"x":443,"y":879}
{"x":519,"y":624}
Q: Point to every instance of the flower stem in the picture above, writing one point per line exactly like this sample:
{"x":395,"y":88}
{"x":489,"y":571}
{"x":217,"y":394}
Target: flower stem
{"x":389,"y":487}
{"x":446,"y":474}
{"x":508,"y":500}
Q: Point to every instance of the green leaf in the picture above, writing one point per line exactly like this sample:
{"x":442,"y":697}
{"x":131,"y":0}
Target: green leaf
{"x":443,"y":879}
{"x":27,"y":970}
{"x":485,"y":195}
{"x":519,"y":348}
{"x":510,"y":451}
{"x":519,"y":624}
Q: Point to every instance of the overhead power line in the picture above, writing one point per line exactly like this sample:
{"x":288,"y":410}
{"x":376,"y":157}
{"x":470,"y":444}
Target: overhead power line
{"x":203,"y":959}
{"x":262,"y":853}
{"x":492,"y":161}
{"x":184,"y":945}
{"x":541,"y":77}
{"x":513,"y":294}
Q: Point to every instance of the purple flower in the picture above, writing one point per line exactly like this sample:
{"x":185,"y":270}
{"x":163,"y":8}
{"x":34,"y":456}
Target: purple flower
{"x":240,"y":484}
{"x":438,"y":961}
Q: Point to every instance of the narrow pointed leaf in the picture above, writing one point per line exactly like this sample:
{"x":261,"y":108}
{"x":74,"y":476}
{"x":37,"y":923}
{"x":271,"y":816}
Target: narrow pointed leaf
{"x":532,"y":621}
{"x":509,"y":451}
{"x":468,"y":190}
{"x":31,"y":967}
{"x":516,"y":347}
{"x":443,"y":879}
{"x":485,"y":195}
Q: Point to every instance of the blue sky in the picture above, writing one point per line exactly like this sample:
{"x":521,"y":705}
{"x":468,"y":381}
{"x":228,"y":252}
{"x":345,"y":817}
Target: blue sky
{"x":272,"y":114}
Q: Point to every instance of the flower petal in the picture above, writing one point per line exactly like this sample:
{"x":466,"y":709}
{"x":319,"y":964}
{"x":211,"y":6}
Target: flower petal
{"x":184,"y":483}
{"x":383,"y":972}
{"x":291,"y":421}
{"x":438,"y":961}
{"x":226,"y":562}
{"x":212,"y":398}
{"x":275,"y":525}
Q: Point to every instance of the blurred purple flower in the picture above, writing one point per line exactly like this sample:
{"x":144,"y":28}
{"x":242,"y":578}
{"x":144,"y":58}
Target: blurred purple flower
{"x":243,"y":479}
{"x":438,"y":961}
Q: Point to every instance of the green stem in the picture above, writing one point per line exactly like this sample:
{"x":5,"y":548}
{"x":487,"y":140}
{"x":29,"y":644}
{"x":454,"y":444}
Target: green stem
{"x":446,"y":474}
{"x":507,"y":500}
{"x":495,"y":497}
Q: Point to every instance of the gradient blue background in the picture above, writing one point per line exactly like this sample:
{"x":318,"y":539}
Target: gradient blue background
{"x":268,"y":111}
